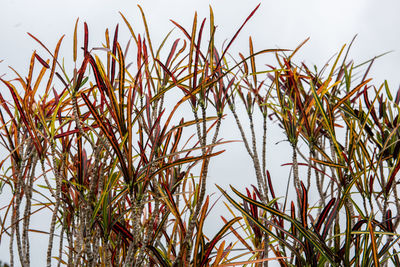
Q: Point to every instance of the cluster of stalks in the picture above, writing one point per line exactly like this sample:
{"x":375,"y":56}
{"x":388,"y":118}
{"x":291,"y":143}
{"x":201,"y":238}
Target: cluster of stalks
{"x":105,"y":148}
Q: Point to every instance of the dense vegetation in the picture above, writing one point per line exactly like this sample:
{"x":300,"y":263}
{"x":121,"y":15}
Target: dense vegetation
{"x":110,"y":149}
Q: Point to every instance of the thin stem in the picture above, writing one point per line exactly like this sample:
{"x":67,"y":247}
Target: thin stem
{"x":296,"y":178}
{"x":264,"y":149}
{"x":256,"y":161}
{"x":57,"y":204}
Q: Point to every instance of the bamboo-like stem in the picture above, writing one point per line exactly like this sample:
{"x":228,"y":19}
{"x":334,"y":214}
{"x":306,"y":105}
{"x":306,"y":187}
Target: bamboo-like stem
{"x":14,"y":223}
{"x":264,"y":150}
{"x":252,"y":153}
{"x":309,"y":167}
{"x":319,"y":183}
{"x":331,"y":230}
{"x":96,"y":247}
{"x":397,"y":204}
{"x":296,"y":178}
{"x":256,"y":162}
{"x":154,"y":214}
{"x":87,"y":237}
{"x":33,"y":158}
{"x":60,"y":248}
{"x":108,"y":254}
{"x":18,"y":180}
{"x":57,"y":203}
{"x":136,"y":216}
{"x":70,"y":249}
{"x":11,"y":244}
{"x":80,"y":242}
{"x":44,"y":173}
{"x":20,"y":188}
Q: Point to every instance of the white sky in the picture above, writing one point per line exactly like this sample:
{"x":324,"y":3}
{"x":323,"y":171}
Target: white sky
{"x":283,"y":24}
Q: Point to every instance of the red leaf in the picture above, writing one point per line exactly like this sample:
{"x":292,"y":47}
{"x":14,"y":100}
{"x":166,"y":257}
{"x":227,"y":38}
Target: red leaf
{"x":114,"y":51}
{"x":324,"y":214}
{"x":42,"y":61}
{"x":85,"y":47}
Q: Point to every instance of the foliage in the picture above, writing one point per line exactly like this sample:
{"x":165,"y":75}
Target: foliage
{"x":112,"y":151}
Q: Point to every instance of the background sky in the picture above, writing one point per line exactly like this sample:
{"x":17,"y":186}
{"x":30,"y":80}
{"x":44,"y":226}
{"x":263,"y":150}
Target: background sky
{"x":283,"y":24}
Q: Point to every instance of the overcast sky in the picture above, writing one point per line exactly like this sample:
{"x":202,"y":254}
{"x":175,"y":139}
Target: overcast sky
{"x":283,"y":24}
{"x":329,"y":24}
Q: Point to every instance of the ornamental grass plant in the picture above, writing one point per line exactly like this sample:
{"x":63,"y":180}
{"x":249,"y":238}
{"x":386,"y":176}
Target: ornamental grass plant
{"x":108,"y":147}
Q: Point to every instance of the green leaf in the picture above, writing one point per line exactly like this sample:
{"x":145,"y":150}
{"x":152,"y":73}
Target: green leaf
{"x":310,"y":236}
